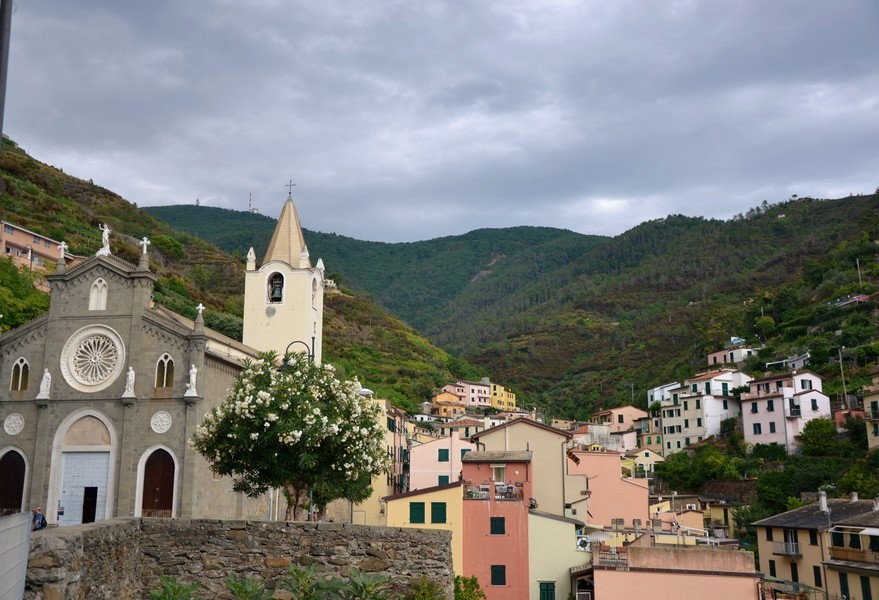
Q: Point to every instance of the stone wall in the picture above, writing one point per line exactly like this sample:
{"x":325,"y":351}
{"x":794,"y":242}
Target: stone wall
{"x":124,"y":558}
{"x":99,"y":560}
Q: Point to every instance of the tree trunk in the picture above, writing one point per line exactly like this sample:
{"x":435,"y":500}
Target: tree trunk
{"x":293,"y":495}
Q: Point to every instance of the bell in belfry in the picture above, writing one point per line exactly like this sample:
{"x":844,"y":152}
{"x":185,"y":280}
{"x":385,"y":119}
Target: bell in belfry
{"x":276,"y":292}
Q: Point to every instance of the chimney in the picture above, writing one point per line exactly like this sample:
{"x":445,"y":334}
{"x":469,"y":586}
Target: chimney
{"x":486,"y":422}
{"x":822,"y":501}
{"x":854,"y":496}
{"x":876,"y":502}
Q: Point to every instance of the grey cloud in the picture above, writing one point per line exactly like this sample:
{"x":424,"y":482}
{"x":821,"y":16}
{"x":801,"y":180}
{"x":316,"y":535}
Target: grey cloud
{"x":408,"y":120}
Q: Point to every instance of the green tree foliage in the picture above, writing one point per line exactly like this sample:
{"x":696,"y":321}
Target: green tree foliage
{"x":819,"y":438}
{"x":20,"y":301}
{"x":298,"y":429}
{"x":168,"y":245}
{"x":468,"y":588}
{"x":426,"y":589}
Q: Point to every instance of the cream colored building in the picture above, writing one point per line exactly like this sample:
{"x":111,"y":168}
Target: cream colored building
{"x":283,"y":298}
{"x":548,"y":448}
{"x":552,"y":553}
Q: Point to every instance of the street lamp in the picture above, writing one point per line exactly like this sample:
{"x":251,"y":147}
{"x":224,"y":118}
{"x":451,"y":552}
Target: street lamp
{"x":310,"y":350}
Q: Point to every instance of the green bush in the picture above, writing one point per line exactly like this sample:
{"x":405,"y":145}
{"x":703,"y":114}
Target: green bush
{"x":426,"y":589}
{"x":168,"y":246}
{"x":467,"y":588}
{"x":174,"y":590}
{"x":251,"y":588}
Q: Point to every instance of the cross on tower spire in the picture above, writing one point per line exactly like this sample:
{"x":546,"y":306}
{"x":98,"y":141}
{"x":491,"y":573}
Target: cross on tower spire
{"x":290,"y":187}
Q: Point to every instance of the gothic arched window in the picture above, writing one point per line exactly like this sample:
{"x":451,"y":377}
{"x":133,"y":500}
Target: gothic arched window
{"x":276,"y":288}
{"x":20,"y":374}
{"x":165,"y":371}
{"x":98,"y":295}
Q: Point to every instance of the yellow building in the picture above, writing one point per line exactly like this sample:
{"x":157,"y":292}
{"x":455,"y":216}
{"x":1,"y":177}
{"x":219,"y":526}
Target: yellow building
{"x":448,"y":405}
{"x":823,"y":547}
{"x":502,"y":398}
{"x":438,"y":507}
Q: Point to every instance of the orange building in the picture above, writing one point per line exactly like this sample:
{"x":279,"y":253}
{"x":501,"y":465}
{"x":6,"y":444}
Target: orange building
{"x":497,"y":489}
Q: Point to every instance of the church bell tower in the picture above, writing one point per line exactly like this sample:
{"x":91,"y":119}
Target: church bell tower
{"x":284,"y":297}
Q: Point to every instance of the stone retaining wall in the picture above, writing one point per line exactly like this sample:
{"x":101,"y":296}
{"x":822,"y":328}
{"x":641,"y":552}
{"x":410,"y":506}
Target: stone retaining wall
{"x":99,"y":560}
{"x":124,"y":558}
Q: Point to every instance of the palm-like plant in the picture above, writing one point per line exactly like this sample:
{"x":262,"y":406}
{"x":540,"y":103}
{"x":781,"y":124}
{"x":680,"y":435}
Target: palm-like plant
{"x":251,"y":588}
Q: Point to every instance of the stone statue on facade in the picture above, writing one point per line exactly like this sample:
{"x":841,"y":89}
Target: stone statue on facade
{"x":190,"y":386}
{"x":45,"y":386}
{"x":129,"y":384}
{"x":105,"y":241}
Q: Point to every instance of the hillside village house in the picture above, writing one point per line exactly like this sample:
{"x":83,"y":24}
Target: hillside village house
{"x":830,"y":546}
{"x":649,"y":430}
{"x":448,"y":405}
{"x":99,"y":396}
{"x":777,"y":407}
{"x":620,"y":419}
{"x":734,"y":353}
{"x":696,"y":409}
{"x":33,"y":251}
{"x":502,"y":398}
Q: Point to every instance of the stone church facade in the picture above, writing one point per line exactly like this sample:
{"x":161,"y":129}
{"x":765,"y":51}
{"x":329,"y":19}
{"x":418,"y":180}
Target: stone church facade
{"x":99,"y":397}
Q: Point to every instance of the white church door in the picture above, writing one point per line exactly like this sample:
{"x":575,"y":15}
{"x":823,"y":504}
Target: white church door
{"x":84,"y":481}
{"x":82,"y":478}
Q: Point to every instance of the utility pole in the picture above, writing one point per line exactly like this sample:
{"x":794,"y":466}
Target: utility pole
{"x":860,"y":283}
{"x":842,"y":373}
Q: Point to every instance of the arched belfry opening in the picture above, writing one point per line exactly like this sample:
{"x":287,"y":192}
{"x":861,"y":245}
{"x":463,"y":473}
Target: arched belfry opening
{"x":276,"y":288}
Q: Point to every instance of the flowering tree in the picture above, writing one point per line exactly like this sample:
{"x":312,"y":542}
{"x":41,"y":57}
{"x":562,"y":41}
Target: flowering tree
{"x":299,"y":429}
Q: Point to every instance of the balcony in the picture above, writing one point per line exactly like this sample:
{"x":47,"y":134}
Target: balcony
{"x":793,"y":412}
{"x":872,"y":415}
{"x":612,"y":557}
{"x":786,"y":549}
{"x":854,"y":555}
{"x":502,"y":491}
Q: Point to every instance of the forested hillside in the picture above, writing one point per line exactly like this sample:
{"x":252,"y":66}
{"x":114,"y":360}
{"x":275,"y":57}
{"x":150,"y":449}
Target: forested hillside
{"x":577,"y":322}
{"x":360,"y":338}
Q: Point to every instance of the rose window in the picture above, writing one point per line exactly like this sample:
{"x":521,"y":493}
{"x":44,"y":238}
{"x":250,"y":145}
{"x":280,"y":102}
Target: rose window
{"x":95,"y":359}
{"x":92,"y":358}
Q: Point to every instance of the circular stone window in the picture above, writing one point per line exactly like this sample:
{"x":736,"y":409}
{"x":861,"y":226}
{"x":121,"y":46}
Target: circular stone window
{"x":92,"y":358}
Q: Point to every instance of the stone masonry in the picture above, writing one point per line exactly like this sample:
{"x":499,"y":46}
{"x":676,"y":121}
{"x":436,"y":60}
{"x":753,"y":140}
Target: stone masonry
{"x":124,"y":558}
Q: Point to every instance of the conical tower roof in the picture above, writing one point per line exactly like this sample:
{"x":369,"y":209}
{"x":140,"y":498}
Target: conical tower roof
{"x":288,"y":244}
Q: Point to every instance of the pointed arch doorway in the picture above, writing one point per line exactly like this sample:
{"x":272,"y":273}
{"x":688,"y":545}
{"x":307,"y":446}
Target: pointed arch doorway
{"x":158,"y":485}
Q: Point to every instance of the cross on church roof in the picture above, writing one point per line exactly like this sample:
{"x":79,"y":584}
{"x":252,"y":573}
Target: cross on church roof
{"x":290,"y":187}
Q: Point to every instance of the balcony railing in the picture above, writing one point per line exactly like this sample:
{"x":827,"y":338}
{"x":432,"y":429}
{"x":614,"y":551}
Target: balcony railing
{"x":854,"y":555}
{"x":786,"y":549}
{"x":501,"y":492}
{"x":793,"y":412}
{"x":873,"y":414}
{"x":613,"y":557}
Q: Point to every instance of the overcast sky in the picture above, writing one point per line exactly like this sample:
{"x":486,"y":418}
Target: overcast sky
{"x":405,"y":120}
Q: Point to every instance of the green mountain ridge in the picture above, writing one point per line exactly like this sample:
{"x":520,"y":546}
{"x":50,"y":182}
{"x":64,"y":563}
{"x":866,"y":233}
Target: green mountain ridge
{"x":577,"y":322}
{"x":362,"y":340}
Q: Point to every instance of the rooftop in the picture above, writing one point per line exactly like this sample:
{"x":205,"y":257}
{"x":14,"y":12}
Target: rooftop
{"x":498,"y":456}
{"x":811,"y":516}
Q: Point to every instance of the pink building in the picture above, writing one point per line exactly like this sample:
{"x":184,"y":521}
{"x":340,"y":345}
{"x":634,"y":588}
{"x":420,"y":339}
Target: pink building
{"x":497,"y":489}
{"x":473,"y":394}
{"x":679,"y":573}
{"x":777,"y":407}
{"x":437,"y":462}
{"x":621,"y":418}
{"x":612,"y":498}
